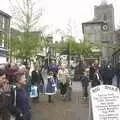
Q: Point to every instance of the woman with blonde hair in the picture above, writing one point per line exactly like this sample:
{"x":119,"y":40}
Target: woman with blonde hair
{"x":63,"y":77}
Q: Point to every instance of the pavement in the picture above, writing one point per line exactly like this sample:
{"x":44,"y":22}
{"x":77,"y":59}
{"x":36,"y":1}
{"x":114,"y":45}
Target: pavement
{"x":77,"y":109}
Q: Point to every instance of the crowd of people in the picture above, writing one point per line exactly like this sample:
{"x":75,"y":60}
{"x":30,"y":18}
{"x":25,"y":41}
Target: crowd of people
{"x":14,"y":98}
{"x":19,"y":86}
{"x":95,"y":75}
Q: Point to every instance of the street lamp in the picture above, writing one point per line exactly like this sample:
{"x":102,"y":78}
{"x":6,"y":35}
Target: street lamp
{"x":49,"y":40}
{"x":69,"y":53}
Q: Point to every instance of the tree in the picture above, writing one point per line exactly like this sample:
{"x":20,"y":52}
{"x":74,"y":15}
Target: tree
{"x":74,"y":48}
{"x":25,"y":17}
{"x":84,"y":49}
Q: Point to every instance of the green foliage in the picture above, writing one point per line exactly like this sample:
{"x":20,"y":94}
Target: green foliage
{"x":74,"y":48}
{"x":85,"y":48}
{"x":26,"y":44}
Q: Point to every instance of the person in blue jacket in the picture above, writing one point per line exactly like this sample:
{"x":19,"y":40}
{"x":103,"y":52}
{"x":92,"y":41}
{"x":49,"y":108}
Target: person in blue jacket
{"x":22,"y":98}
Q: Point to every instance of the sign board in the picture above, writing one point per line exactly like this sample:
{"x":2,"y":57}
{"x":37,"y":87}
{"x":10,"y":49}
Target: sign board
{"x":105,"y":103}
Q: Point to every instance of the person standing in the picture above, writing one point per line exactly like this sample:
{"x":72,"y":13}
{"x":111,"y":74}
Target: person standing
{"x":36,"y":81}
{"x":22,"y":98}
{"x":97,"y":78}
{"x":63,"y":77}
{"x":5,"y":96}
{"x":108,"y":75}
{"x":91,"y":72}
{"x":85,"y":83}
{"x":79,"y":71}
{"x":51,"y":87}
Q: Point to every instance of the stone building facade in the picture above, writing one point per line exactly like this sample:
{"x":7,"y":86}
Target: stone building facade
{"x":4,"y":36}
{"x":101,"y":29}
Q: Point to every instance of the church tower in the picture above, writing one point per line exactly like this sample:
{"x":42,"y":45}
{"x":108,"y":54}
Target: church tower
{"x":105,"y":12}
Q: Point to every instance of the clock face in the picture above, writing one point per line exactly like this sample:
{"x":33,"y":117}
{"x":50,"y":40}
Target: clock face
{"x":105,"y":27}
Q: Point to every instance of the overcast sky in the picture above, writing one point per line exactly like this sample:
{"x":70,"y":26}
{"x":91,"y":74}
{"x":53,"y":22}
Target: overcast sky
{"x":58,"y":13}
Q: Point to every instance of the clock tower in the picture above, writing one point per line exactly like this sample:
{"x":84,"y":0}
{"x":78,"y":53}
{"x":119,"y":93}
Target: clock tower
{"x":105,"y":13}
{"x":101,"y":29}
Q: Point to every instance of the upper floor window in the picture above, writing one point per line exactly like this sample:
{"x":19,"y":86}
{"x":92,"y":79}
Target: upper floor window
{"x":3,"y":22}
{"x":105,"y":17}
{"x":3,"y":40}
{"x":0,"y":39}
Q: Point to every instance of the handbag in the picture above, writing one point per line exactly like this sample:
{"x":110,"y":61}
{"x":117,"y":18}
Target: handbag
{"x":34,"y":91}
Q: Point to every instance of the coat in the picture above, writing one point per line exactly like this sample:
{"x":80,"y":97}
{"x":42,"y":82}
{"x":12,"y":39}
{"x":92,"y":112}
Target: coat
{"x":96,"y":79}
{"x":36,"y":78}
{"x":51,"y":86}
{"x":22,"y":102}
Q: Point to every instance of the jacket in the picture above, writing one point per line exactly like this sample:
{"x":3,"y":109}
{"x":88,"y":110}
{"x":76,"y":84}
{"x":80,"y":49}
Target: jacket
{"x":36,"y":77}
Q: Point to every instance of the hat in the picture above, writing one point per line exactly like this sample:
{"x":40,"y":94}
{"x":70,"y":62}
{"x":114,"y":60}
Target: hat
{"x":11,"y":71}
{"x":19,"y":72}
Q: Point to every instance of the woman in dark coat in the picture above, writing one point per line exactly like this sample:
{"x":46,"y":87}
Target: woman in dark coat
{"x":96,"y":78}
{"x":79,"y":71}
{"x":36,"y":80}
{"x":108,"y":75}
{"x":91,"y":72}
{"x":22,"y":98}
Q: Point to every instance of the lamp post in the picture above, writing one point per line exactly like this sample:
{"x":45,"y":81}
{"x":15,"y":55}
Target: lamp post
{"x":49,"y":40}
{"x":69,"y":53}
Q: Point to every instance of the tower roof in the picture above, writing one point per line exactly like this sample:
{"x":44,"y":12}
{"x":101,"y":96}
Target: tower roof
{"x":104,"y":2}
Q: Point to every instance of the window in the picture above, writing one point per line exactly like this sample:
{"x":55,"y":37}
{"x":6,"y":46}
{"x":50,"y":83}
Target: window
{"x":1,"y":17}
{"x":0,"y":39}
{"x":105,"y":17}
{"x":3,"y":23}
{"x":3,"y":39}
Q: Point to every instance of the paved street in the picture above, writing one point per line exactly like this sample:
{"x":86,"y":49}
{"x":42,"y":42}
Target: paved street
{"x":62,"y":110}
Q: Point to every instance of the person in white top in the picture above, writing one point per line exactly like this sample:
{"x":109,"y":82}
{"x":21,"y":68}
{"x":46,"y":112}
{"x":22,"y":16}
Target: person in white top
{"x":63,"y":76}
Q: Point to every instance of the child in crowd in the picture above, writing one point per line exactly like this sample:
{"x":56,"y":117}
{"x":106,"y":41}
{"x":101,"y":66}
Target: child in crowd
{"x":51,"y":88}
